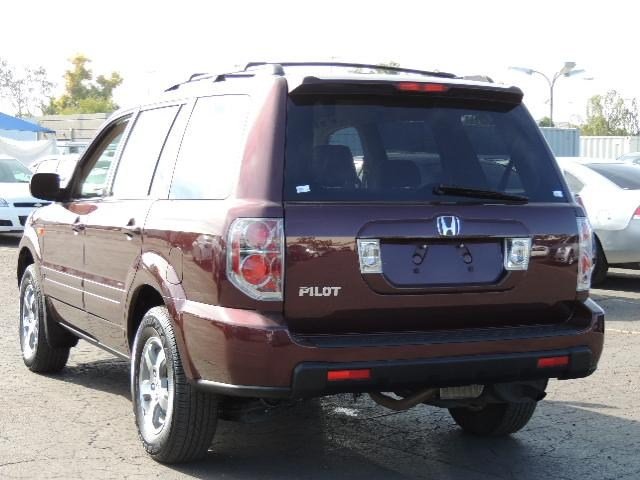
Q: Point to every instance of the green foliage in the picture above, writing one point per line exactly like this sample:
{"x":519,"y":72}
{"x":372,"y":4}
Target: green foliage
{"x":545,"y":122}
{"x":610,"y":114}
{"x":25,"y":89}
{"x":82,"y":95}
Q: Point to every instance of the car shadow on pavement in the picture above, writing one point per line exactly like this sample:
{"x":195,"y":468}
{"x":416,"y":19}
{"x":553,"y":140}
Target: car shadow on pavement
{"x":325,"y":440}
{"x":109,"y":375}
{"x":9,"y":239}
{"x":622,"y":281}
{"x":337,"y":438}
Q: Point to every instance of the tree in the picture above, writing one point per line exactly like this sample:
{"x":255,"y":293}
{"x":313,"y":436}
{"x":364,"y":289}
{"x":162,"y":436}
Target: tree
{"x":610,"y":114}
{"x":82,"y":95}
{"x":545,"y":122}
{"x":25,"y":89}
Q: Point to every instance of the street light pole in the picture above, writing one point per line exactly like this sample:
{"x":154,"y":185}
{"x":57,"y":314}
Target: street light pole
{"x":566,"y":71}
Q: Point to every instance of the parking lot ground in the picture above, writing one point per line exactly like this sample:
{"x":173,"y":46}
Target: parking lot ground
{"x":79,"y":424}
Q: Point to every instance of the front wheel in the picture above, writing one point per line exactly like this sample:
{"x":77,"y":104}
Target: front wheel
{"x":176,"y":422}
{"x":37,"y":352}
{"x":495,"y":419}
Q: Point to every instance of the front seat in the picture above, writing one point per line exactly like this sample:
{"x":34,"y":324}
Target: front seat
{"x":334,"y":167}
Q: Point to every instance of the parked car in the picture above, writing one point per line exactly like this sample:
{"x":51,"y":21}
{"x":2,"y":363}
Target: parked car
{"x":633,"y":157}
{"x":63,"y":165}
{"x":71,"y":147}
{"x":236,"y":269}
{"x":610,"y":191}
{"x":16,"y":202}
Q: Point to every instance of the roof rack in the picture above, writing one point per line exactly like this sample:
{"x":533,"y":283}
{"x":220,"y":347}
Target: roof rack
{"x":276,"y":68}
{"x":253,"y":65}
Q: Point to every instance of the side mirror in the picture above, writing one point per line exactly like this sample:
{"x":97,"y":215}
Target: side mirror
{"x":45,"y":186}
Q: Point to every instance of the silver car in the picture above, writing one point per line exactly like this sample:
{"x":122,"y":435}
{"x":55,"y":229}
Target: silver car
{"x":610,"y":193}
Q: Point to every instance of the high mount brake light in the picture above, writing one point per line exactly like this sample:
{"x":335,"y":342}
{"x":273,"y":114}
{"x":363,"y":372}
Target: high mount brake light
{"x":421,"y":87}
{"x":255,"y":251}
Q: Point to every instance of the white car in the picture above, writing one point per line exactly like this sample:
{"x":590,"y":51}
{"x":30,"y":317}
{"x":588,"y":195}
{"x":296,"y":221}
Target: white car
{"x":16,"y":202}
{"x":610,"y":193}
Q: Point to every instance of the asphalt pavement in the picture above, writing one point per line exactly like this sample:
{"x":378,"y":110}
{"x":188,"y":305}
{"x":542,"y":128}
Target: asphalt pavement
{"x":79,"y":423}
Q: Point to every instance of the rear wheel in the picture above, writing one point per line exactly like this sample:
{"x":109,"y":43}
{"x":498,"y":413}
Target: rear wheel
{"x":176,"y":422}
{"x":601,"y":267}
{"x":37,"y":352}
{"x":495,"y":419}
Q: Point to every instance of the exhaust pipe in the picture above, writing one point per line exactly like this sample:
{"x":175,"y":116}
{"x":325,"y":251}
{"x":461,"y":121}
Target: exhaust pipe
{"x":404,"y":403}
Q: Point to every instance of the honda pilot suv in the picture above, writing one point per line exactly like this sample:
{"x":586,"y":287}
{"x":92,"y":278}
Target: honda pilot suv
{"x":292,"y":231}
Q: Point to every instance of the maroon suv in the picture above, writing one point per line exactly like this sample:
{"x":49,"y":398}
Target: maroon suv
{"x":298,"y":230}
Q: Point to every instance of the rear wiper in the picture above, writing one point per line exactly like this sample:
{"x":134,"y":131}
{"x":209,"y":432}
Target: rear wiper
{"x":477,"y":193}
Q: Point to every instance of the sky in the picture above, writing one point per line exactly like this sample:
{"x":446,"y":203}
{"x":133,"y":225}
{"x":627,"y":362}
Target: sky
{"x":156,"y":44}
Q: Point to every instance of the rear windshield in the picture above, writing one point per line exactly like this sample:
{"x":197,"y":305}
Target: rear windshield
{"x":398,"y":149}
{"x":624,"y":176}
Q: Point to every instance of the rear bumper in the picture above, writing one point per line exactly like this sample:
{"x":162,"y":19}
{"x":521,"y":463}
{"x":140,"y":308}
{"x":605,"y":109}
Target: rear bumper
{"x":243,"y":353}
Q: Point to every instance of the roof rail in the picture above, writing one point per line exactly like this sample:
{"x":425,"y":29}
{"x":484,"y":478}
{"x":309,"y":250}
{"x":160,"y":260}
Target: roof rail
{"x":217,"y":77}
{"x":253,"y":65}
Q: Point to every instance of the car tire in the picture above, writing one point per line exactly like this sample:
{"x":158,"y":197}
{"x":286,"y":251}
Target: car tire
{"x":494,"y":419}
{"x":600,"y":269}
{"x":175,"y":422}
{"x":38,"y":355}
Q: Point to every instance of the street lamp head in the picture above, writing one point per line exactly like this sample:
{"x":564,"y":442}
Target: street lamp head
{"x":573,"y":73}
{"x":568,"y":67}
{"x":528,"y":71}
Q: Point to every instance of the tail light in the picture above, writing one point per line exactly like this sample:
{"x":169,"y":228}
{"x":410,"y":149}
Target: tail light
{"x":585,"y":252}
{"x":636,"y":214}
{"x":255,"y":254}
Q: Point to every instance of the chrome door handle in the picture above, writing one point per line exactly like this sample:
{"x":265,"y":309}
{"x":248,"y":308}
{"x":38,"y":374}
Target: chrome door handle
{"x":131,"y":229}
{"x":78,"y":226}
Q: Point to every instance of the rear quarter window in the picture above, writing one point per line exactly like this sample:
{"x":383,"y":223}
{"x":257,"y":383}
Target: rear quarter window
{"x":211,"y":149}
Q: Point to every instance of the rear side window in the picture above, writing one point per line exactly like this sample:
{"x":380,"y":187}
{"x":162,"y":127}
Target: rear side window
{"x":574,"y":184}
{"x":211,"y":148}
{"x":623,"y":175}
{"x":396,"y":149}
{"x":140,"y":154}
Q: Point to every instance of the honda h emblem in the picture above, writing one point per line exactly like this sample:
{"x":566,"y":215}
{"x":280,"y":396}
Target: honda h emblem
{"x":448,"y":226}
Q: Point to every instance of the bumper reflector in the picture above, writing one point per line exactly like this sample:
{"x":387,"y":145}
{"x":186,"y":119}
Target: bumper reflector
{"x":553,"y":362}
{"x":337,"y":375}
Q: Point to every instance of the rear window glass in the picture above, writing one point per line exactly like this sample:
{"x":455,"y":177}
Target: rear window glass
{"x":624,"y":176}
{"x":399,"y":149}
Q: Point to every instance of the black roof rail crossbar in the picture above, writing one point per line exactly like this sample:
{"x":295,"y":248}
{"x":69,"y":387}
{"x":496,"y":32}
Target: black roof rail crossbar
{"x":351,"y":65}
{"x":218,"y":77}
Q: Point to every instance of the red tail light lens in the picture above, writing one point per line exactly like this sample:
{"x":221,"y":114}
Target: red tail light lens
{"x":255,"y":252}
{"x":421,"y":87}
{"x":551,"y":362}
{"x":636,"y":214}
{"x":337,"y":375}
